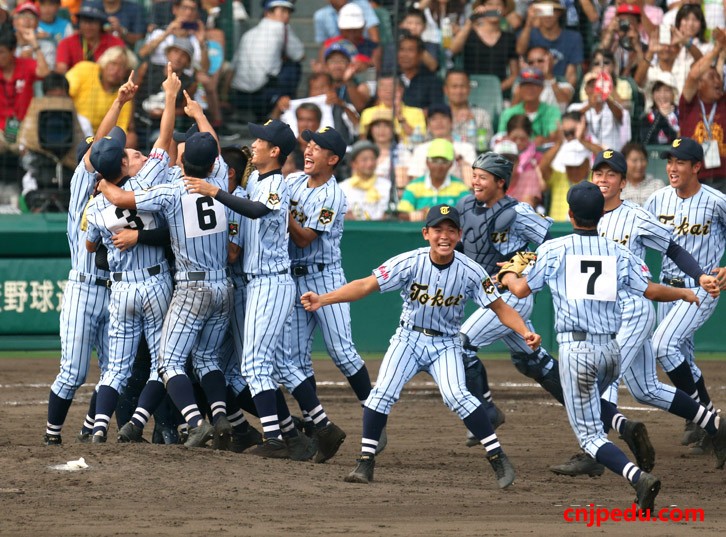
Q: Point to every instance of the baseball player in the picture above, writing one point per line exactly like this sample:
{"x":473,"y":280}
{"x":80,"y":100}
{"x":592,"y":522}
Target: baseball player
{"x":435,"y":284}
{"x":696,"y":216}
{"x":198,"y":315}
{"x":586,"y":273}
{"x":270,"y":296}
{"x":84,"y":313}
{"x":142,"y":287}
{"x":317,"y":210}
{"x":494,"y":227}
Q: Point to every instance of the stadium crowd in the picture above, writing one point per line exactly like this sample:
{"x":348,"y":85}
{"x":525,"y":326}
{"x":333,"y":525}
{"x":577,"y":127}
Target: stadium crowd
{"x":418,"y":93}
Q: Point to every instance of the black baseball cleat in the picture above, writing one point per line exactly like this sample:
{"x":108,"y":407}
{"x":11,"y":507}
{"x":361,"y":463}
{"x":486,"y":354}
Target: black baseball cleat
{"x":130,"y":432}
{"x":579,"y":464}
{"x":636,"y":436}
{"x":329,"y":440}
{"x":222,"y":434}
{"x":52,"y":439}
{"x":646,"y":489}
{"x":301,"y":447}
{"x":719,"y":444}
{"x":84,"y":437}
{"x":503,"y":469}
{"x":200,"y":435}
{"x":691,"y":433}
{"x":271,"y":448}
{"x":382,"y":442}
{"x":363,"y":472}
{"x":98,"y":439}
{"x":245,"y":440}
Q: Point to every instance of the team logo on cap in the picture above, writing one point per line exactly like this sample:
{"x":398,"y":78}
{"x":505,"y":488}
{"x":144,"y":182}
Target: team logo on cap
{"x":676,"y":142}
{"x":326,"y":216}
{"x":267,"y":122}
{"x":273,"y":200}
{"x":233,"y":228}
{"x":607,"y":154}
{"x":89,"y":139}
{"x":323,"y":129}
{"x":445,"y":209}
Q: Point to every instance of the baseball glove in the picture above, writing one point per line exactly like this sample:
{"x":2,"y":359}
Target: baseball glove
{"x":249,"y":168}
{"x":517,"y":264}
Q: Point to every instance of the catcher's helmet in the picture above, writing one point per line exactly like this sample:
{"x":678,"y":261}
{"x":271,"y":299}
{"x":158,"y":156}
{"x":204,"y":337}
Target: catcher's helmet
{"x":495,"y":164}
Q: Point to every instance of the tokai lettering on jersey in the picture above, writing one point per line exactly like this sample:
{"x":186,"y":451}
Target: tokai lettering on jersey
{"x":419,"y":294}
{"x":623,"y":241}
{"x":685,"y":227}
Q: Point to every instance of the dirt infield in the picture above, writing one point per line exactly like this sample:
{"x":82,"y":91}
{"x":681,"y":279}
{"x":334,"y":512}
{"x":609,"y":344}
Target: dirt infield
{"x":427,"y":481}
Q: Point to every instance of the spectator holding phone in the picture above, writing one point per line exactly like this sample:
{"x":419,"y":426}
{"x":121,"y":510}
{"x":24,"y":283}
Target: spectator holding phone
{"x":126,"y":19}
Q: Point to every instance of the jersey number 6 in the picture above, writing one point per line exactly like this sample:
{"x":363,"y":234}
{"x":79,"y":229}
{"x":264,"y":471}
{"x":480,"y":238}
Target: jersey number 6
{"x":205,"y":214}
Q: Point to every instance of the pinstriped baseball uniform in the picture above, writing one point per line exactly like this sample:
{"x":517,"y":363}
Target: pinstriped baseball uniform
{"x":698,"y":225}
{"x":317,"y":268}
{"x":84,"y":313}
{"x":586,"y":273}
{"x":433,"y":300}
{"x":487,"y":244}
{"x":636,"y":229}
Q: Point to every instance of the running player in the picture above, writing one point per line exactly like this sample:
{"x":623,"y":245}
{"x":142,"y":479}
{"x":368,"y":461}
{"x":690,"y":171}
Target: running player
{"x":696,"y":215}
{"x":585,"y":273}
{"x":435,"y":284}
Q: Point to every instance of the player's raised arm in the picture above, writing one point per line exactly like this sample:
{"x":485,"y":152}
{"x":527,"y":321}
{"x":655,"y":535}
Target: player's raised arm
{"x":243,"y":206}
{"x":666,"y":293}
{"x":171,"y":87}
{"x":350,"y":292}
{"x":194,"y":110}
{"x":123,"y":199}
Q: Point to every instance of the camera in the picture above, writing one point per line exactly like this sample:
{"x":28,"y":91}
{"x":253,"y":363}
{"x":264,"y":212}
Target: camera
{"x":624,"y":25}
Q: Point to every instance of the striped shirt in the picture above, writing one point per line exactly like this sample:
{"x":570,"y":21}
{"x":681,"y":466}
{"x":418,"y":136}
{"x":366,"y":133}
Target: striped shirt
{"x":697,"y":224}
{"x":434,"y":296}
{"x":266,"y":238}
{"x":586,"y":273}
{"x":82,"y":185}
{"x":421,"y":194}
{"x":321,"y":209}
{"x":235,"y":224}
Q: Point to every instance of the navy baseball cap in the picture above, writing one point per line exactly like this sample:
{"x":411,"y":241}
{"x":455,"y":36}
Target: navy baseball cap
{"x":277,"y":133}
{"x":439,"y":108}
{"x":181,"y":137}
{"x":439,"y":213}
{"x":327,"y":138}
{"x":92,"y":11}
{"x":586,"y":201}
{"x":107,"y":152}
{"x":83,"y":147}
{"x":345,"y":47}
{"x":530,"y":75}
{"x":684,"y":149}
{"x":614,"y":159}
{"x":201,"y":150}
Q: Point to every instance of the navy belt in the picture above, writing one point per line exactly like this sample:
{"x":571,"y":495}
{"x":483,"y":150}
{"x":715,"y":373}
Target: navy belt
{"x":425,"y":331}
{"x":151,"y":271}
{"x":582,"y":336}
{"x":675,"y":282}
{"x":249,"y":277}
{"x":101,"y":282}
{"x":304,"y":271}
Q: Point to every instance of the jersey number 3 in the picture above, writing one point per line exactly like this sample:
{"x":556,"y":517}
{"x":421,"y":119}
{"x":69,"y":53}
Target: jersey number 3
{"x":203,"y":216}
{"x":591,"y":277}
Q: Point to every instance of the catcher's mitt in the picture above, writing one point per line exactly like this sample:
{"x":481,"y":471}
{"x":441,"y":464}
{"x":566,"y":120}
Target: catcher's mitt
{"x":249,"y":167}
{"x":517,"y":264}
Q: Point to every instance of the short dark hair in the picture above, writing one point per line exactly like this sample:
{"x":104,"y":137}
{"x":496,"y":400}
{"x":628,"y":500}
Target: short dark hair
{"x":55,"y":81}
{"x":413,"y":12}
{"x":311,"y":107}
{"x":582,"y":222}
{"x":520,"y":121}
{"x":193,"y":170}
{"x":697,"y":10}
{"x":406,"y":36}
{"x":634,"y":146}
{"x":49,"y":2}
{"x":177,"y":3}
{"x":451,"y":72}
{"x":236,"y":160}
{"x":7,"y":37}
{"x":573,"y":115}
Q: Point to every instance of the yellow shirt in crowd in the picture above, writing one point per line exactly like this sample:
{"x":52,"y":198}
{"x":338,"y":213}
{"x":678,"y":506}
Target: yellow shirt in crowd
{"x":89,"y":97}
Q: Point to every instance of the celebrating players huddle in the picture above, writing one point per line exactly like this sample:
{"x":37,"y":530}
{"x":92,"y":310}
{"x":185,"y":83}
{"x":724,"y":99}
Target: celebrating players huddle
{"x":225,"y":267}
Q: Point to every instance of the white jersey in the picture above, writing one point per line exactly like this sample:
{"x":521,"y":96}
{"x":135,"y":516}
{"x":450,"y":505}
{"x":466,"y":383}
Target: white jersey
{"x":434,"y":296}
{"x":635,"y":228}
{"x":236,"y":223}
{"x":82,"y":185}
{"x":321,"y":209}
{"x":197,"y":225}
{"x":698,"y":225}
{"x":218,"y":177}
{"x":266,"y":238}
{"x":586,"y":273}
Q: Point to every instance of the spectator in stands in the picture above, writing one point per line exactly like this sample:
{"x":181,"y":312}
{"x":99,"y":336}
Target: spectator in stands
{"x":367,"y":194}
{"x":526,"y":184}
{"x":544,"y":116}
{"x":623,"y":38}
{"x":150,"y":98}
{"x":264,"y":76}
{"x":471,"y":123}
{"x":414,"y":23}
{"x":639,"y":184}
{"x":436,"y":186}
{"x":556,"y":91}
{"x":608,"y":124}
{"x":18,"y":76}
{"x":309,"y":117}
{"x":25,"y":22}
{"x":89,"y":43}
{"x":659,"y":124}
{"x":542,"y":28}
{"x":649,"y":19}
{"x":604,"y":61}
{"x":567,"y":162}
{"x":391,"y":152}
{"x":51,"y":25}
{"x":439,"y":124}
{"x":341,"y":64}
{"x":690,"y":34}
{"x":351,"y":23}
{"x":422,"y":88}
{"x":127,"y":20}
{"x":702,"y":113}
{"x":485,"y":48}
{"x":410,"y":121}
{"x":93,"y":87}
{"x":345,"y":116}
{"x":326,"y":20}
{"x":658,"y":59}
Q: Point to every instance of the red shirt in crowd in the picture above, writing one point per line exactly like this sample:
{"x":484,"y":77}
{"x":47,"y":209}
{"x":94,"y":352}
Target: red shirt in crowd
{"x":693,"y":126}
{"x":17,"y":92}
{"x":71,"y":50}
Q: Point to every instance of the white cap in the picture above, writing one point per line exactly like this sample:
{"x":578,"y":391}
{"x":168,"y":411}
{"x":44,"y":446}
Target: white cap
{"x":572,"y":153}
{"x":505,"y":147}
{"x":667,"y":78}
{"x":350,"y":17}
